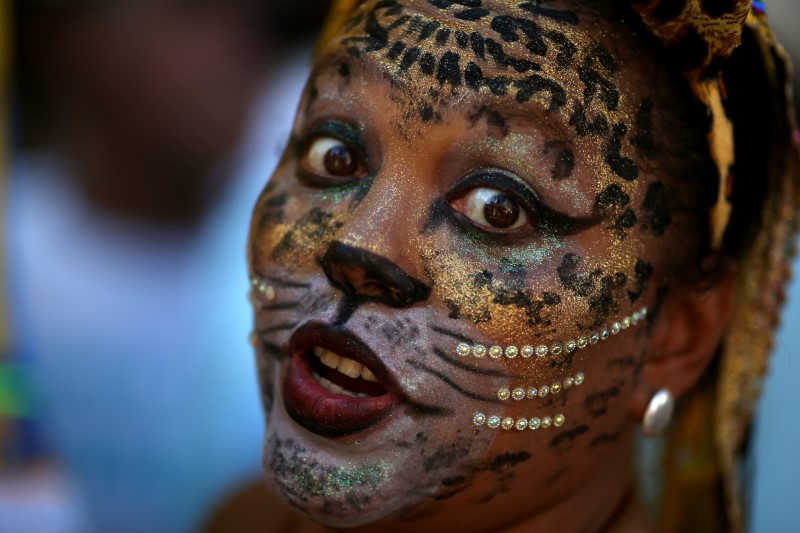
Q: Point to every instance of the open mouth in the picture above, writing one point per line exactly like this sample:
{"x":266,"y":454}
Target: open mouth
{"x":335,"y":384}
{"x":341,"y":375}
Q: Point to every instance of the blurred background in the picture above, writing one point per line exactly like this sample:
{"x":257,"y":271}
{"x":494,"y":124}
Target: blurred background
{"x":139,"y":133}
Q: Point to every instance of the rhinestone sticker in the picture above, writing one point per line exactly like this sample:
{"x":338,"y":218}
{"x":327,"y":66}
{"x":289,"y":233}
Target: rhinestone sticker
{"x":519,"y":393}
{"x":555,"y":348}
{"x":520,"y":424}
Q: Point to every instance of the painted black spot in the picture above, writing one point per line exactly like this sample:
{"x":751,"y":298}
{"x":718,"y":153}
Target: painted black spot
{"x":643,"y":272}
{"x":444,"y":457}
{"x":462,"y":39}
{"x":455,"y":480}
{"x":535,"y":84}
{"x":656,"y":216}
{"x":622,"y":166}
{"x":507,"y":28}
{"x":564,"y":160}
{"x":317,"y":225}
{"x":449,"y":69}
{"x":344,"y":69}
{"x":624,"y":222}
{"x":396,"y":49}
{"x":604,"y":438}
{"x":566,"y":49}
{"x":497,"y":52}
{"x":478,"y":48}
{"x":611,"y":198}
{"x":472,"y":14}
{"x":513,"y":293}
{"x":427,"y":30}
{"x":427,"y":63}
{"x":534,"y":41}
{"x":442,"y":36}
{"x":508,"y":460}
{"x":377,"y":37}
{"x":271,"y":211}
{"x":494,"y":120}
{"x":409,"y":58}
{"x":426,"y":112}
{"x":603,"y":303}
{"x":581,"y":285}
{"x":566,"y":439}
{"x":596,"y":83}
{"x":596,"y":404}
{"x":473,"y":76}
{"x":642,"y":137}
{"x":583,"y":126}
{"x":536,"y":8}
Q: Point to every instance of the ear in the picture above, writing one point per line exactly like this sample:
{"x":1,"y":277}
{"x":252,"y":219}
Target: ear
{"x":684,"y":338}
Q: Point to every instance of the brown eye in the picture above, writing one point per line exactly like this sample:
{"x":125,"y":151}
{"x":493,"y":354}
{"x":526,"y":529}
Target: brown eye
{"x":491,"y":208}
{"x":328,"y":156}
{"x":500,"y":211}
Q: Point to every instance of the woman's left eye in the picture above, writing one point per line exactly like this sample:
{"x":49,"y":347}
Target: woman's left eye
{"x":491,"y":208}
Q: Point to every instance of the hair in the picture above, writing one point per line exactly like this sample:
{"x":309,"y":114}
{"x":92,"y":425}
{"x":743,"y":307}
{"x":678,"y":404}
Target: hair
{"x":685,"y":153}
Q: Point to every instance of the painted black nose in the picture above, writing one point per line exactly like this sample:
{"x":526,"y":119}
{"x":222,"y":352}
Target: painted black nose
{"x":369,"y":277}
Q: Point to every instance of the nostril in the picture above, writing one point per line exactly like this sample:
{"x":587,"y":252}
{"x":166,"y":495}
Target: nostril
{"x":370,"y":276}
{"x":375,"y":288}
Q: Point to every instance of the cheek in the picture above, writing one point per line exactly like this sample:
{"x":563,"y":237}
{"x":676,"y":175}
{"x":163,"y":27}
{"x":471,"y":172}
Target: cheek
{"x":290,"y":228}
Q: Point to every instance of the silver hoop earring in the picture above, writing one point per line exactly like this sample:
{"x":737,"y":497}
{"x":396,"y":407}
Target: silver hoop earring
{"x":658,"y":414}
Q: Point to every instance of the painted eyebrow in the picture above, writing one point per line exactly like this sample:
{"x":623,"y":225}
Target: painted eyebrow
{"x":518,"y":116}
{"x":331,"y":61}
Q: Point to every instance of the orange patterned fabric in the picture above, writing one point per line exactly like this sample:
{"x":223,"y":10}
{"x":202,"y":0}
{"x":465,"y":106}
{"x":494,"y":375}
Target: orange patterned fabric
{"x":698,"y":31}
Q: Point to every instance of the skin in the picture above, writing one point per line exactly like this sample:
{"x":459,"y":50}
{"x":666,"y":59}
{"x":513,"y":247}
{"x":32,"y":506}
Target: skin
{"x":568,"y":134}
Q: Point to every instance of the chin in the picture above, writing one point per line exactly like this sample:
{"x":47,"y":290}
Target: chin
{"x":333,"y":488}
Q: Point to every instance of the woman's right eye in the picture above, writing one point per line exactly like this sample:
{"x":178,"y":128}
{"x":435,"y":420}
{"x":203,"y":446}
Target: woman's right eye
{"x":329,"y":157}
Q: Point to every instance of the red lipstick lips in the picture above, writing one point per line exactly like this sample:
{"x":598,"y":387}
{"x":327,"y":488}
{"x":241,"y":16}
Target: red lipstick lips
{"x":317,"y":408}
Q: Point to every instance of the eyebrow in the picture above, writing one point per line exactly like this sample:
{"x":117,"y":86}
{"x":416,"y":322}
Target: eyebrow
{"x":517,"y":116}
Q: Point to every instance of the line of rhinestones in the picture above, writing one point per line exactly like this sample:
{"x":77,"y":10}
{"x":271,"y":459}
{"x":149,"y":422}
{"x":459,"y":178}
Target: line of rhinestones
{"x":556,"y":348}
{"x":265,"y":291}
{"x":520,"y":393}
{"x":520,"y":424}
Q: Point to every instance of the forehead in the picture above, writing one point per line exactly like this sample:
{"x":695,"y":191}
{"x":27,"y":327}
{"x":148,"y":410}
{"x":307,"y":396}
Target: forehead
{"x":522,"y":49}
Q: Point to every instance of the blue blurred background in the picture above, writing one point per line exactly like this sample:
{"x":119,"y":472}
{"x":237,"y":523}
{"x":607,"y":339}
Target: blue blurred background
{"x":141,"y":134}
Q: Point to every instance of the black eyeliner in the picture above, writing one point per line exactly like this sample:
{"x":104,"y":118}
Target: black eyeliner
{"x":541,"y":216}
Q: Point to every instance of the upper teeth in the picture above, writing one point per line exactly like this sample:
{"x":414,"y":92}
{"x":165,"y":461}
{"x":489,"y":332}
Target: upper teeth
{"x":344,"y":365}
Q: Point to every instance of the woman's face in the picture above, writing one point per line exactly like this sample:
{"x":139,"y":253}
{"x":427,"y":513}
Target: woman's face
{"x":467,"y":219}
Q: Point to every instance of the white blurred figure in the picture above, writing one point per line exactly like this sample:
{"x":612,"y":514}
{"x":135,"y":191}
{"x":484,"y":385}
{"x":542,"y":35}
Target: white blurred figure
{"x":125,"y":249}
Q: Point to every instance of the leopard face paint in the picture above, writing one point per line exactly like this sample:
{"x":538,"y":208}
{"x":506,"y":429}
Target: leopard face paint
{"x":461,"y":173}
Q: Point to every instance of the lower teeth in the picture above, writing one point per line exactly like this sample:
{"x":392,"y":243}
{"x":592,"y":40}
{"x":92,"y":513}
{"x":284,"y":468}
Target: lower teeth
{"x":333,"y":387}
